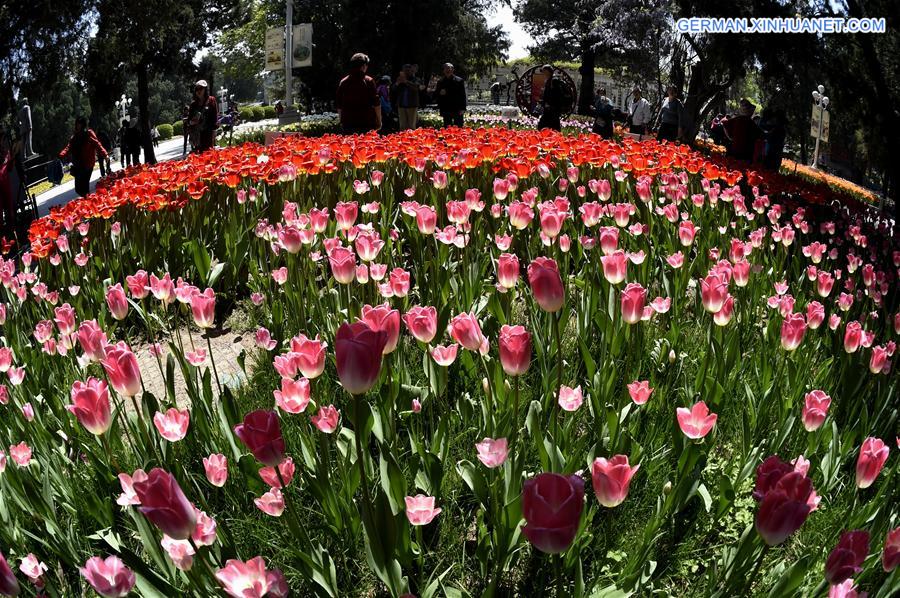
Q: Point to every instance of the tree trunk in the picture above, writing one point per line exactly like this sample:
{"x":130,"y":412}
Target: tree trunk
{"x":588,"y":60}
{"x":144,"y":113}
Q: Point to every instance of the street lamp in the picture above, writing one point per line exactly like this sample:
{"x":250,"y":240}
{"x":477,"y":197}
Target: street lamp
{"x":821,"y":101}
{"x":123,"y":104}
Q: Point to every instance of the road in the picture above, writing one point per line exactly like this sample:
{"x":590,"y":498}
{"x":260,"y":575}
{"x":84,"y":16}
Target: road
{"x":166,"y":150}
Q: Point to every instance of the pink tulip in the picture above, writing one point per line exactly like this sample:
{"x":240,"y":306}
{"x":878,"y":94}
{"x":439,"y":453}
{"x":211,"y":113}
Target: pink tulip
{"x":117,"y":302}
{"x":163,"y":289}
{"x":640,"y":391}
{"x":686,"y":233}
{"x":570,"y":399}
{"x":872,"y":456}
{"x":422,"y":323}
{"x":122,"y":369}
{"x":815,"y":315}
{"x":205,"y":532}
{"x":609,"y":239}
{"x":420,"y":509}
{"x":286,"y":469}
{"x":91,"y":338}
{"x":697,"y":421}
{"x":359,"y":350}
{"x":426,"y":219}
{"x":880,"y":360}
{"x":793,"y":328}
{"x":33,"y":569}
{"x":492,"y":453}
{"x":109,"y":577}
{"x":515,"y":349}
{"x":129,"y":496}
{"x":890,"y":556}
{"x":263,"y":339}
{"x":615,"y":266}
{"x":251,"y":580}
{"x":326,"y":420}
{"x":465,"y":330}
{"x":6,"y":357}
{"x":343,"y":265}
{"x":852,"y":337}
{"x":713,"y":292}
{"x":64,"y":316}
{"x":845,"y":589}
{"x":308,"y":356}
{"x":815,"y":410}
{"x":216,"y":467}
{"x":271,"y":503}
{"x":173,"y":424}
{"x":261,"y":434}
{"x":180,"y":552}
{"x":20,"y":453}
{"x":824,"y":283}
{"x":724,"y":315}
{"x":612,"y":479}
{"x":294,"y":395}
{"x":203,"y":308}
{"x":90,"y":404}
{"x":507,"y":270}
{"x":546,"y":284}
{"x":634,"y":297}
{"x":444,"y":356}
{"x":345,"y":214}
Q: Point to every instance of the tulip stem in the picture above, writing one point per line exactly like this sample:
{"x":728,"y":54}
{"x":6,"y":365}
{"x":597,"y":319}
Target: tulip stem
{"x":515,"y":422}
{"x":292,"y":516}
{"x":421,"y":542}
{"x":213,"y":362}
{"x":358,"y":433}
{"x":756,"y":568}
{"x":559,"y":364}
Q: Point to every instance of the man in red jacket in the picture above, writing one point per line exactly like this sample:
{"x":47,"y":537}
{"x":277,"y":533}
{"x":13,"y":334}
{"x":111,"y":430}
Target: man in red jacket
{"x":82,"y":150}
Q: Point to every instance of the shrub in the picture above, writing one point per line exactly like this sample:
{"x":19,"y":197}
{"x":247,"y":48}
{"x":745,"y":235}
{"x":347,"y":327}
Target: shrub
{"x":269,"y":111}
{"x":258,"y":113}
{"x":178,"y":127}
{"x":165,"y":131}
{"x":246,"y":113}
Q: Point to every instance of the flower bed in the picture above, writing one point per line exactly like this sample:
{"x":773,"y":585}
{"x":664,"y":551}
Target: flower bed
{"x":488,"y":362}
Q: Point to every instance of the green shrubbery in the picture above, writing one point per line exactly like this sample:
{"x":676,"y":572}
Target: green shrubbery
{"x":178,"y":127}
{"x":269,"y":111}
{"x":165,"y":131}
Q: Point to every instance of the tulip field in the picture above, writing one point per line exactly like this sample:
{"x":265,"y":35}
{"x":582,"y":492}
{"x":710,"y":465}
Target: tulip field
{"x":482,"y":362}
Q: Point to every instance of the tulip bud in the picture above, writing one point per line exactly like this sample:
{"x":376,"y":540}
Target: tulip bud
{"x":667,"y":488}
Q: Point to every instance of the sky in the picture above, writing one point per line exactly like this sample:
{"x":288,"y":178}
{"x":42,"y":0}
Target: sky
{"x":518,"y":37}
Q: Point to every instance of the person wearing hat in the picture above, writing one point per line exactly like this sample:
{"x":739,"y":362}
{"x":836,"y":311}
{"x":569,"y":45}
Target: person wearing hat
{"x":640,"y":113}
{"x":450,"y":94}
{"x":202,"y":115}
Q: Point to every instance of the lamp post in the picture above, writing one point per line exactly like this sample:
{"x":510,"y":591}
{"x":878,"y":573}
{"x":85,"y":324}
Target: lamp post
{"x":289,"y":54}
{"x":123,"y":104}
{"x":821,"y":101}
{"x":223,"y":97}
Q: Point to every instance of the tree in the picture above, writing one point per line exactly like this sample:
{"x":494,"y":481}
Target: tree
{"x":148,"y":38}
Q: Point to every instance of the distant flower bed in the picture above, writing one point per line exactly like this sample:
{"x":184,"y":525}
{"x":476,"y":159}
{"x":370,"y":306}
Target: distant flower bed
{"x":837,"y":183}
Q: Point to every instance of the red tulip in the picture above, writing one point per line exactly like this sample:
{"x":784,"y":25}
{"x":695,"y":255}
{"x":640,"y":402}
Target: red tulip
{"x":90,"y":404}
{"x":815,"y":410}
{"x":261,"y":433}
{"x":634,"y":297}
{"x":612,"y":479}
{"x":109,"y":577}
{"x":786,"y":498}
{"x":552,"y":506}
{"x":422,"y":323}
{"x":165,"y":505}
{"x":546,"y":284}
{"x":515,"y":350}
{"x":872,"y":456}
{"x":203,"y":307}
{"x":359,"y":349}
{"x":383,"y":318}
{"x":122,"y":369}
{"x":890,"y":556}
{"x":793,"y":328}
{"x":697,"y":421}
{"x":846,"y":559}
{"x":117,"y":302}
{"x":9,"y":585}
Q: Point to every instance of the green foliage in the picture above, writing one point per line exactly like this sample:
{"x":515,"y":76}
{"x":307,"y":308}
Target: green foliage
{"x":178,"y":127}
{"x":246,"y":113}
{"x":165,"y":131}
{"x":269,"y":111}
{"x":258,"y":112}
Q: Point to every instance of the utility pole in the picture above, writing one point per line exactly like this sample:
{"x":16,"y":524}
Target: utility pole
{"x":289,"y":55}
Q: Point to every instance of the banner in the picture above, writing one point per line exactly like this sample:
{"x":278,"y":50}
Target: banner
{"x":814,"y":126}
{"x":302,"y":42}
{"x":274,"y":48}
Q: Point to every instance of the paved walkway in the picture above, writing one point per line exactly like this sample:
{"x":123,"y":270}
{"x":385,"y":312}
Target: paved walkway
{"x":167,"y":150}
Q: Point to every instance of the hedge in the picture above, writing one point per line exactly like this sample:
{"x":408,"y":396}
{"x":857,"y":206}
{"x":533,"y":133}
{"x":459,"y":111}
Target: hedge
{"x":178,"y":127}
{"x":165,"y":131}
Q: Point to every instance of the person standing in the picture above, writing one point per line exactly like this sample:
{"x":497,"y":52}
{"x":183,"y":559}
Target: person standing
{"x":671,"y":117}
{"x":640,"y":113}
{"x":450,"y":92}
{"x":154,"y":136}
{"x":495,"y":91}
{"x":203,"y":114}
{"x":408,"y":88}
{"x":124,"y":150}
{"x":742,"y":132}
{"x":25,"y":127}
{"x":388,"y":118}
{"x":357,"y":102}
{"x":133,"y":135}
{"x":553,"y":99}
{"x":603,"y":115}
{"x":82,"y":150}
{"x":772,"y":124}
{"x":105,"y":163}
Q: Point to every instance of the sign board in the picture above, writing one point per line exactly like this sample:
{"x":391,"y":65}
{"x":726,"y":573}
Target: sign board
{"x":274,"y":48}
{"x":814,"y":126}
{"x":302,"y":42}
